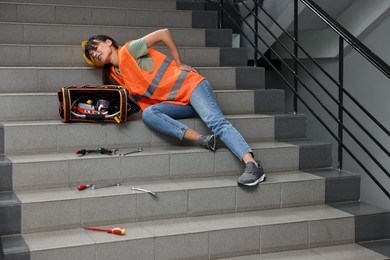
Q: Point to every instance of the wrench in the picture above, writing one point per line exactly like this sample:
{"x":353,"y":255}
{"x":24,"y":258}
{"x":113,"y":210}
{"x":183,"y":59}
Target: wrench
{"x":144,"y":190}
{"x":136,"y":151}
{"x":94,"y":187}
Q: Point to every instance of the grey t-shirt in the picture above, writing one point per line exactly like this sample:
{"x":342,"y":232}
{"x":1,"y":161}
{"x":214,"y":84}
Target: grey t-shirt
{"x":139,"y":50}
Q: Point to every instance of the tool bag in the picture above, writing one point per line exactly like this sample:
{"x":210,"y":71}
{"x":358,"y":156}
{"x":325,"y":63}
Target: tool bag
{"x":107,"y":103}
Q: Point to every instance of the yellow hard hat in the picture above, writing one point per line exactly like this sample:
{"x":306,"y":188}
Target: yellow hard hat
{"x":92,"y":62}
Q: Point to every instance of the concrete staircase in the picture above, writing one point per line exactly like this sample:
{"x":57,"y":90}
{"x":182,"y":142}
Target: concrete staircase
{"x":199,"y":211}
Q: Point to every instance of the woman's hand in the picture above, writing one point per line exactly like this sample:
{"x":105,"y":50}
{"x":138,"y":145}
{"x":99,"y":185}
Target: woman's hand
{"x":164,"y":35}
{"x":187,"y":68}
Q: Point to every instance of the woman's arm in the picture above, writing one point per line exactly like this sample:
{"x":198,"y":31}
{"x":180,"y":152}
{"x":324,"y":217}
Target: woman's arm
{"x":164,"y":35}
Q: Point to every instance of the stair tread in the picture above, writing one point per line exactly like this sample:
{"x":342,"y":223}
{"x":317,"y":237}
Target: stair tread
{"x":161,"y":149}
{"x":91,"y":15}
{"x":55,"y":93}
{"x":337,"y":252}
{"x":46,"y":33}
{"x":189,"y":225}
{"x":63,"y":55}
{"x":146,"y":4}
{"x":59,"y":122}
{"x":31,"y":79}
{"x":157,"y":186}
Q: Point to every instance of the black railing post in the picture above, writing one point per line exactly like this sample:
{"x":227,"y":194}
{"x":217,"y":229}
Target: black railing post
{"x":220,"y":14}
{"x":296,"y":56}
{"x":256,"y":26}
{"x":341,"y":102}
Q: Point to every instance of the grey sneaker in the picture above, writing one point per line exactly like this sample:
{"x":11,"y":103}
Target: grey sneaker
{"x":252,"y":175}
{"x":208,"y":142}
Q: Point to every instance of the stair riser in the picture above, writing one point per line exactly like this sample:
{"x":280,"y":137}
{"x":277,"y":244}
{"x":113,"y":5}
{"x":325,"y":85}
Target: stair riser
{"x":212,"y":244}
{"x":45,"y":106}
{"x":6,"y":172}
{"x":57,"y":14}
{"x":69,"y":170}
{"x":290,"y":126}
{"x":52,"y":79}
{"x":10,"y":214}
{"x":340,"y":186}
{"x":18,"y":33}
{"x":145,"y":4}
{"x":269,"y":101}
{"x":56,"y":136}
{"x":82,"y":212}
{"x":71,"y":56}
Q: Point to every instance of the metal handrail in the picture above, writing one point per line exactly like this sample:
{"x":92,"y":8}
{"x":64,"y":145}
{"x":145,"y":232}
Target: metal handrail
{"x":348,"y":37}
{"x":343,"y":35}
{"x":323,"y":88}
{"x":337,"y":83}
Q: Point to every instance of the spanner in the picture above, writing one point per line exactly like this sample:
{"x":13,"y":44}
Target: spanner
{"x":136,"y":151}
{"x":94,"y":187}
{"x":144,"y":190}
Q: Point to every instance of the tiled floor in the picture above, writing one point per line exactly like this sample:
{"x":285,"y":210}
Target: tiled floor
{"x":342,"y":252}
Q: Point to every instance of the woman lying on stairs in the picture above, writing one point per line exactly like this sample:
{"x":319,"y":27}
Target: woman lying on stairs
{"x":168,"y":90}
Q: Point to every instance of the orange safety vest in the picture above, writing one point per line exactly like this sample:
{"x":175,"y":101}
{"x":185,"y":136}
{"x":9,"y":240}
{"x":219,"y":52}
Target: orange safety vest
{"x":165,"y":83}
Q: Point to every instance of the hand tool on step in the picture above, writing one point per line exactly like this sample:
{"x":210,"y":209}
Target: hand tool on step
{"x":144,"y":190}
{"x":140,"y":149}
{"x":84,"y":186}
{"x":94,"y":187}
{"x":115,"y":230}
{"x":100,"y":150}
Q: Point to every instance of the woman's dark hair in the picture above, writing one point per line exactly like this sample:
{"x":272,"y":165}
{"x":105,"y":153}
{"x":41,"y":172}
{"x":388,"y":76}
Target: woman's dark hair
{"x":91,"y":44}
{"x":106,"y":75}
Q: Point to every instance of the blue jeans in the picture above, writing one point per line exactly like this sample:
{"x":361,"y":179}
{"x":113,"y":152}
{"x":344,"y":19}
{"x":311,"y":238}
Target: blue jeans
{"x":162,"y":118}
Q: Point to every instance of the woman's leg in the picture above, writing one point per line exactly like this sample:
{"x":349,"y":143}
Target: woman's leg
{"x":162,"y":118}
{"x":203,"y":101}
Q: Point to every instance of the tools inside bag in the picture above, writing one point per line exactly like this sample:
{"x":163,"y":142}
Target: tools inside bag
{"x":107,"y":103}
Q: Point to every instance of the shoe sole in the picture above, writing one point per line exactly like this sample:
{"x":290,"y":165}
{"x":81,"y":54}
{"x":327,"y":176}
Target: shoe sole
{"x":214,"y":146}
{"x":261,"y":179}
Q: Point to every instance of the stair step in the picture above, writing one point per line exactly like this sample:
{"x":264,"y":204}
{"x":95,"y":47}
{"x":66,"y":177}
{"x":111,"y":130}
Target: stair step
{"x":86,"y":15}
{"x":44,"y":106}
{"x":146,"y":238}
{"x":53,"y":135}
{"x":295,"y":187}
{"x":147,"y":4}
{"x":14,"y":247}
{"x":206,"y":237}
{"x":371,"y":222}
{"x":341,"y":186}
{"x":339,"y":252}
{"x":67,"y":34}
{"x":71,"y":56}
{"x":64,"y":208}
{"x":289,"y":126}
{"x":5,"y":169}
{"x":10,"y":214}
{"x":35,"y":171}
{"x":313,"y":154}
{"x":45,"y":79}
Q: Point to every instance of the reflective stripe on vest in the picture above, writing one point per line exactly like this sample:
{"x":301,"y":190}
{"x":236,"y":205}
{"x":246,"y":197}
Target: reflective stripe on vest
{"x":157,"y":79}
{"x":177,"y":86}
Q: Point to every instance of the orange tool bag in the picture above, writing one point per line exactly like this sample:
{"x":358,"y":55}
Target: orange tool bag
{"x":107,"y":103}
